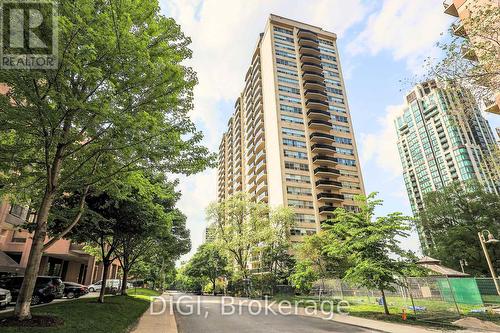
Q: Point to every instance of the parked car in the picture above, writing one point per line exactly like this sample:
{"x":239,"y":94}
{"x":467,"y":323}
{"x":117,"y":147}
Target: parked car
{"x":47,"y":288}
{"x":74,"y":290}
{"x":5,"y":298}
{"x":114,"y":284}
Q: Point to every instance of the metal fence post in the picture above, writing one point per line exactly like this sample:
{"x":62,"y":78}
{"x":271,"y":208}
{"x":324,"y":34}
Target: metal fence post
{"x":453,"y":295}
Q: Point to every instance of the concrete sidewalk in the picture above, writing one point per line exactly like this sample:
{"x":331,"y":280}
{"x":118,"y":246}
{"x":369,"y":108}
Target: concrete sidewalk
{"x":157,"y":323}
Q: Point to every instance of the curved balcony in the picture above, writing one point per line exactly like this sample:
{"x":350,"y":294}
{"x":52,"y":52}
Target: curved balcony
{"x":316,"y":104}
{"x":313,"y":76}
{"x":321,"y":137}
{"x":326,"y":183}
{"x":319,"y":124}
{"x":312,"y":67}
{"x":327,"y":209}
{"x":318,"y":114}
{"x":314,"y":85}
{"x":310,"y":58}
{"x":325,"y":171}
{"x":308,"y":41}
{"x":322,"y":148}
{"x":261,"y":188}
{"x":308,"y":49}
{"x":324,"y":159}
{"x":304,"y":33}
{"x":326,"y":196}
{"x":316,"y":94}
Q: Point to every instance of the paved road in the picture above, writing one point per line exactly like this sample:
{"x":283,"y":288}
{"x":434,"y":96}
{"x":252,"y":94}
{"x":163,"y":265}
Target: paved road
{"x":207,"y":317}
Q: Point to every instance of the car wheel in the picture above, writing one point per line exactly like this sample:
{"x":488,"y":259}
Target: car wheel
{"x":70,"y":295}
{"x":35,"y":300}
{"x":91,"y":289}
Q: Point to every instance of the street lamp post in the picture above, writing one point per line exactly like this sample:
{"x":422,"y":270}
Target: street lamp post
{"x":491,"y":240}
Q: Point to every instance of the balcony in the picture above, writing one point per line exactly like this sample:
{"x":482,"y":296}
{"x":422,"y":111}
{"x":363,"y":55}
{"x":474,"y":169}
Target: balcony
{"x":327,"y":209}
{"x":316,"y":104}
{"x":449,"y":8}
{"x":260,"y":166}
{"x":493,"y":106}
{"x":322,"y":148}
{"x":325,"y":171}
{"x":326,"y":196}
{"x":304,"y":33}
{"x":458,"y":28}
{"x":318,"y":114}
{"x":325,"y":159}
{"x":306,"y":49}
{"x":260,"y":156}
{"x":262,"y":197}
{"x":306,"y":41}
{"x":316,"y":123}
{"x":326,"y":183}
{"x":321,"y":137}
{"x":310,"y":58}
{"x":259,"y":145}
{"x":314,"y":84}
{"x":469,"y":54}
{"x":313,"y":76}
{"x":315,"y":94}
{"x":311,"y":67}
{"x":261,"y":188}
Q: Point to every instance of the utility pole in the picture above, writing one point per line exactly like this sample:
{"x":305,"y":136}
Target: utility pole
{"x":483,"y":241}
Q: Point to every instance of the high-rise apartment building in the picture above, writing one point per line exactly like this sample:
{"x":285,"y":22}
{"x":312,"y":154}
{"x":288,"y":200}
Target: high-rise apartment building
{"x":463,"y":10}
{"x":290,"y":141}
{"x":439,"y":142}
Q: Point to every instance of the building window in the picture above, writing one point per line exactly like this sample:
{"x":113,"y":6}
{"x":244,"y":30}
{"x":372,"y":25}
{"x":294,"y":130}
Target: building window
{"x":289,"y":108}
{"x":304,"y":218}
{"x":296,"y":166}
{"x":291,"y":119}
{"x":284,"y":31}
{"x":297,"y":178}
{"x":300,"y":203}
{"x":293,"y":132}
{"x":295,"y":154}
{"x":294,"y":143}
{"x":298,"y":190}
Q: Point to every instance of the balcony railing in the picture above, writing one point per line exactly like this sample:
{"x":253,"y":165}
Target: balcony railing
{"x":327,"y":209}
{"x":324,"y":158}
{"x":317,"y":135}
{"x":317,"y":122}
{"x":333,"y":196}
{"x":318,"y":113}
{"x":322,"y":146}
{"x":328,"y":183}
{"x":326,"y":170}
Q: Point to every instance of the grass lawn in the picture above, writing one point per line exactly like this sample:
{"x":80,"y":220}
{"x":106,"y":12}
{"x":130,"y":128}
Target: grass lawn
{"x":85,"y":315}
{"x":437,"y":314}
{"x":142,"y":293}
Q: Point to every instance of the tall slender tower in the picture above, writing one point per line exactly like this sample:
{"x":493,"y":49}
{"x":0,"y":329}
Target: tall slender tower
{"x":290,"y":141}
{"x":441,"y":139}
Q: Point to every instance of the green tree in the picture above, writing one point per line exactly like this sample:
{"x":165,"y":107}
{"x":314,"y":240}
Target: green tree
{"x":208,"y":262}
{"x":304,"y":276}
{"x":452,"y":217}
{"x":118,"y":101}
{"x":242,"y":226}
{"x":470,"y":55}
{"x":371,"y":245}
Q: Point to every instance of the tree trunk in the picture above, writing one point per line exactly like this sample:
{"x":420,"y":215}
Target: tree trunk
{"x":386,"y":308}
{"x":213,"y":284}
{"x":124,"y":281}
{"x":105,"y":269}
{"x":22,"y":310}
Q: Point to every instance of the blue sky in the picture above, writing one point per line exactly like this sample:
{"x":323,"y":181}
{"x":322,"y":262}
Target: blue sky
{"x":380,"y":43}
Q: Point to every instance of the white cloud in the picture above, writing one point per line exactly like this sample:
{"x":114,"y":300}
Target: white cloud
{"x":407,"y":29}
{"x":381,"y":146}
{"x":224,"y":34}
